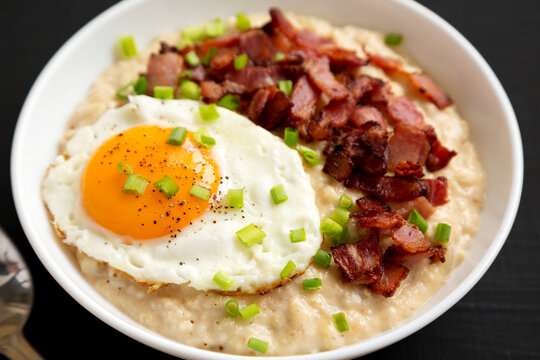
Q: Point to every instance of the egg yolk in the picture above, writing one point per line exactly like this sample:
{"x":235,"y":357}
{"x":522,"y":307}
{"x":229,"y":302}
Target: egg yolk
{"x":151,"y":214}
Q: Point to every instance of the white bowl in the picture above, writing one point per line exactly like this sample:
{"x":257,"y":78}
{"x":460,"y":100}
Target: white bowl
{"x":436,"y":46}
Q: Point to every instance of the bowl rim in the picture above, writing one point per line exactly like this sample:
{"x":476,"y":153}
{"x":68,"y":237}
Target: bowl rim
{"x":365,"y":346}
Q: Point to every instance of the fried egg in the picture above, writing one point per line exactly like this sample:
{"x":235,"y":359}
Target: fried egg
{"x":183,"y":239}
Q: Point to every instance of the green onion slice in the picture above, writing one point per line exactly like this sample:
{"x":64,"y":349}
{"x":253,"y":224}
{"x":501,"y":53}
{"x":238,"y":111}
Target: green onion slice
{"x":298,"y":235}
{"x":234,"y":304}
{"x":311,"y":156}
{"x":331,"y":228}
{"x":190,"y":90}
{"x":240,"y":61}
{"x":124,"y":91}
{"x":202,"y":137}
{"x":312,"y":284}
{"x":236,"y":198}
{"x":167,"y":186}
{"x":341,"y":322}
{"x":393,"y":39}
{"x":340,"y":215}
{"x":184,"y":43}
{"x":322,"y":258}
{"x":286,"y":86}
{"x":442,"y":234}
{"x":290,"y":137}
{"x":134,"y":185}
{"x":287,"y":270}
{"x":345,"y":201}
{"x":416,"y":219}
{"x":229,"y":101}
{"x":215,"y":28}
{"x":200,"y":192}
{"x":209,"y":55}
{"x":140,"y":85}
{"x":223,"y":280}
{"x":192,"y":59}
{"x":163,"y":92}
{"x":251,"y":235}
{"x":177,"y":136}
{"x":279,"y":56}
{"x":124,"y":168}
{"x":127,"y":46}
{"x":242,"y":22}
{"x":343,"y":237}
{"x":278,"y":194}
{"x":194,"y":33}
{"x":249,"y":311}
{"x":208,"y":112}
{"x":258,"y":345}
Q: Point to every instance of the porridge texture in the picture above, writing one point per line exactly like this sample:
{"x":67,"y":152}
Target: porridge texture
{"x":292,"y":320}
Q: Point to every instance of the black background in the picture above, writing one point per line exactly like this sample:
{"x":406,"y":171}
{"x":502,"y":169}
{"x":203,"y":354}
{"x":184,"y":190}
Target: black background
{"x":498,"y":319}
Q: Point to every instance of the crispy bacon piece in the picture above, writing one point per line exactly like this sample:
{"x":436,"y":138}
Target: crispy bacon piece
{"x":318,"y":130}
{"x":258,"y":102}
{"x":371,"y":205}
{"x":364,"y":114}
{"x":257,"y":44}
{"x":359,"y":262}
{"x":222,"y":60}
{"x":211,"y":91}
{"x":307,"y":39}
{"x":387,"y":188}
{"x":409,"y":237}
{"x":198,"y":73}
{"x":397,"y":255}
{"x":437,"y":190}
{"x":408,"y":145}
{"x":439,"y":156}
{"x":427,"y":87}
{"x":421,"y":204}
{"x":304,"y":99}
{"x":163,"y":70}
{"x":338,"y":165}
{"x":319,"y":72}
{"x":402,"y":111}
{"x":389,"y":65}
{"x":344,"y":59}
{"x":276,"y":111}
{"x":337,"y":112}
{"x":383,"y":220}
{"x":369,"y":151}
{"x":381,"y":95}
{"x":390,"y":278}
{"x":408,"y":168}
{"x":219,"y":42}
{"x":251,"y":78}
{"x":363,"y":85}
{"x":280,"y":21}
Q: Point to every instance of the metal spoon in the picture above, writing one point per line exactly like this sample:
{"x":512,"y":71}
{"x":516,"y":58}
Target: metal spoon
{"x":16,"y":297}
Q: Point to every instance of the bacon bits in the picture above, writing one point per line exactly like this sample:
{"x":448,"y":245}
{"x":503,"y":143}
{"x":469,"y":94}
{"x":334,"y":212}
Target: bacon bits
{"x":389,"y":279}
{"x":426,"y":87}
{"x":163,"y":70}
{"x":359,"y":262}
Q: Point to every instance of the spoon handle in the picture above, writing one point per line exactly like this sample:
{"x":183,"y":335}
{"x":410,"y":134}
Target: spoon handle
{"x":17,"y":348}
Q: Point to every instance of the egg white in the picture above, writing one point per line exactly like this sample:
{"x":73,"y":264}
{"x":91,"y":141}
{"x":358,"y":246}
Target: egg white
{"x":248,"y":157}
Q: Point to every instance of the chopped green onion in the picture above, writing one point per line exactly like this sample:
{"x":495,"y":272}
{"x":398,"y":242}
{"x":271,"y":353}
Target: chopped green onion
{"x":393,"y":39}
{"x":258,"y":345}
{"x":286,"y":86}
{"x":167,"y":186}
{"x":192,"y":59}
{"x":124,"y":168}
{"x":340,"y":322}
{"x":345,"y":201}
{"x":194,"y":33}
{"x":416,"y":219}
{"x":312,"y":284}
{"x":249,"y":311}
{"x":209,"y":55}
{"x":184,"y":43}
{"x":235,"y":306}
{"x":331,"y":228}
{"x":163,"y":92}
{"x":311,"y":156}
{"x":442,"y":233}
{"x":251,"y":235}
{"x":140,"y":85}
{"x":134,"y":184}
{"x":240,"y":61}
{"x":190,"y":90}
{"x":242,"y":22}
{"x":137,"y":88}
{"x":343,"y":237}
{"x":278,"y":194}
{"x":200,"y":192}
{"x":177,"y":136}
{"x":223,"y":280}
{"x":127,"y":46}
{"x":298,"y":235}
{"x":215,"y":28}
{"x":124,"y":91}
{"x":236,"y":198}
{"x":229,"y":101}
{"x":287,"y":270}
{"x":290,"y":137}
{"x":208,"y":112}
{"x":340,"y":215}
{"x":188,"y":74}
{"x":202,"y":137}
{"x":322,"y":258}
{"x":279,"y":56}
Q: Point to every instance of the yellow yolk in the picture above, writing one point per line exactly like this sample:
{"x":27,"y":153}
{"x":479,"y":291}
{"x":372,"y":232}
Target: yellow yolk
{"x":152,"y":214}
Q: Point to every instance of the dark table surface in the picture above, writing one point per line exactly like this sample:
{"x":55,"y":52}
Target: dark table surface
{"x":498,"y":318}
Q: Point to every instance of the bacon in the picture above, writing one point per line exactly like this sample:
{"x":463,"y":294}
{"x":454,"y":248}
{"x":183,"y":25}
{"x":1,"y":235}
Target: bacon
{"x":257,"y":44}
{"x":389,"y":65}
{"x":387,"y":188}
{"x":427,"y":87}
{"x":384,"y":220}
{"x":389,"y":279}
{"x":359,"y":262}
{"x":397,"y":255}
{"x":163,"y":70}
{"x":211,"y":91}
{"x":371,"y":205}
{"x":407,"y":168}
{"x":364,"y":114}
{"x":402,"y":111}
{"x":438,"y":256}
{"x":280,"y":21}
{"x":338,"y":165}
{"x":409,"y":237}
{"x":363,"y":85}
{"x":222,"y":60}
{"x":337,"y":112}
{"x":319,"y":72}
{"x":374,"y":145}
{"x":198,"y":73}
{"x":280,"y":43}
{"x":344,"y":59}
{"x":251,"y":78}
{"x":276,"y":111}
{"x":438,"y":156}
{"x":381,"y":95}
{"x":437,"y":190}
{"x":304,"y":99}
{"x":258,"y":102}
{"x":219,"y":42}
{"x":408,"y":144}
{"x":307,"y":39}
{"x":421,"y":204}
